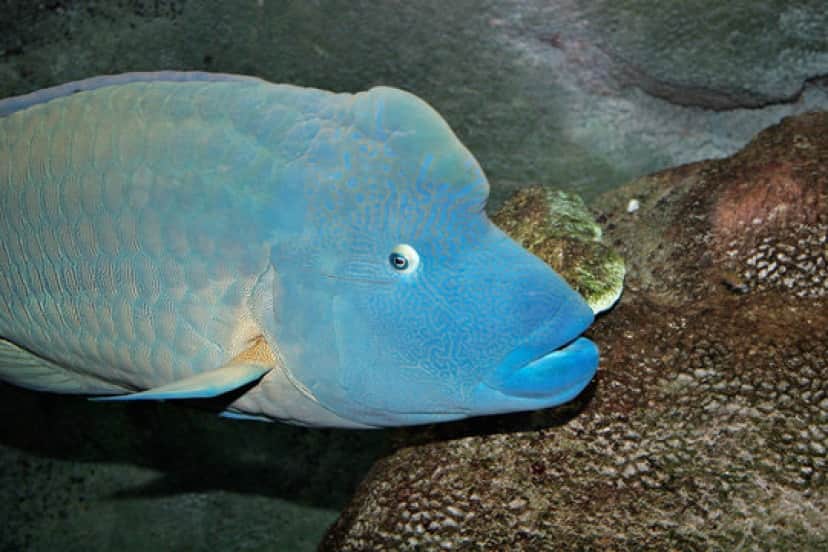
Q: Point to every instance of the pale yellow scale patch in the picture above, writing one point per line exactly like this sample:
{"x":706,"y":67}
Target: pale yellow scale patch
{"x":131,"y":147}
{"x":70,"y":197}
{"x":82,"y":128}
{"x":152,"y":234}
{"x":127,"y":231}
{"x":50,"y":244}
{"x":46,"y":149}
{"x":204,"y":245}
{"x":102,"y":149}
{"x":89,"y":195}
{"x":105,"y":277}
{"x":107,"y":352}
{"x":163,"y":362}
{"x":257,"y":351}
{"x":51,"y":201}
{"x":127,"y":280}
{"x":86,"y":235}
{"x":86,"y":276}
{"x":188,"y":343}
{"x":71,"y":315}
{"x":52,"y":280}
{"x":195,"y":313}
{"x":177,"y":243}
{"x":31,"y":199}
{"x":22,"y":131}
{"x":137,"y":197}
{"x":89,"y":343}
{"x":126,"y":361}
{"x":144,"y":327}
{"x":38,"y":153}
{"x":147,"y":276}
{"x":90,"y":317}
{"x":198,"y":275}
{"x":107,"y":323}
{"x":32,"y":247}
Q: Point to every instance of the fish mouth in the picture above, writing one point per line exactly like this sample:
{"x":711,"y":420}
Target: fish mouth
{"x":557,"y":371}
{"x":546,"y":381}
{"x":549,"y":367}
{"x":549,"y":380}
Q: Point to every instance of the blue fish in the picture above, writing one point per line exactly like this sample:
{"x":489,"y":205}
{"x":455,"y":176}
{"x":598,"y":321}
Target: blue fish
{"x":316,"y":258}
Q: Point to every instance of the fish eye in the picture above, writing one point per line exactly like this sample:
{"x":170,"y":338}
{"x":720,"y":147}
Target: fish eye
{"x":404,"y":258}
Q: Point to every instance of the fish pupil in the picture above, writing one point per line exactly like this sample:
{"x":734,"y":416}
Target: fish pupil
{"x":398,"y":261}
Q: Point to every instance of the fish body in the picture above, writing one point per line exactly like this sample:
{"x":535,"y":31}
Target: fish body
{"x":316,"y":258}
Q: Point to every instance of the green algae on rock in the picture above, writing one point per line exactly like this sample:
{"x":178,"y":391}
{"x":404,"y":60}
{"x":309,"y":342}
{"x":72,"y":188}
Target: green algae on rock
{"x":557,"y":227}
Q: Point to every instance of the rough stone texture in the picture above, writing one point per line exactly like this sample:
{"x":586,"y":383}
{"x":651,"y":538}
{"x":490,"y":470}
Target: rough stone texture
{"x":703,"y":53}
{"x":707,"y":426}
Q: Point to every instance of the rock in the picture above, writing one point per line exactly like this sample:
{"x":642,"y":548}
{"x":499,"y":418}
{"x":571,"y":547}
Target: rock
{"x":707,"y":425}
{"x":733,"y":55}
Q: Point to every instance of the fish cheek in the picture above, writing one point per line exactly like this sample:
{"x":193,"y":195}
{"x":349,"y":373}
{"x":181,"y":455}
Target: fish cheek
{"x":395,"y":359}
{"x":375,"y":373}
{"x":293,"y":306}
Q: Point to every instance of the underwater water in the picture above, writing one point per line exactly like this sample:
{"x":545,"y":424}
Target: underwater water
{"x":580,"y":95}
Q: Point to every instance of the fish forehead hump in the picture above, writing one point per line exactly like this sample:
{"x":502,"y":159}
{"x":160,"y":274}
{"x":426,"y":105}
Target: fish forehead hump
{"x":430,"y":154}
{"x":378,"y":166}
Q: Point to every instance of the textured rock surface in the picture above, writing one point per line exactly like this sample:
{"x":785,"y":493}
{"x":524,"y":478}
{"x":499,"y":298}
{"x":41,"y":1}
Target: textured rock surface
{"x":704,"y":53}
{"x":707,"y":426}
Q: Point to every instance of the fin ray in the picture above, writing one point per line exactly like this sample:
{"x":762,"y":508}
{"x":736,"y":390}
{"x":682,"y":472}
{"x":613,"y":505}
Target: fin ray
{"x":200,"y":386}
{"x":234,"y":415}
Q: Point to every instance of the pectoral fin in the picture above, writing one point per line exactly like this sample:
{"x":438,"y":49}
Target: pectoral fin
{"x":246,"y":368}
{"x":200,"y":386}
{"x":233,"y":415}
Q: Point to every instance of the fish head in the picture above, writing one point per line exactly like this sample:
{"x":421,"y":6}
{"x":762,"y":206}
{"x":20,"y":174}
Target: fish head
{"x":396,"y":301}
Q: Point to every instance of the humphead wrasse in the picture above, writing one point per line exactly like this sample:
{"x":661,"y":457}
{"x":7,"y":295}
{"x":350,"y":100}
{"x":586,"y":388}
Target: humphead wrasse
{"x":317,"y":258}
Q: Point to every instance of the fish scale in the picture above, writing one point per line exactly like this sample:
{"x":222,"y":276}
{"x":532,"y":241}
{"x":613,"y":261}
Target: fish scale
{"x":105,"y":240}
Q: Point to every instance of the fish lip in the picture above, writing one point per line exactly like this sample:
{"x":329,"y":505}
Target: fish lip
{"x":548,"y":354}
{"x":559,"y":349}
{"x":539,"y":345}
{"x":555,"y":377}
